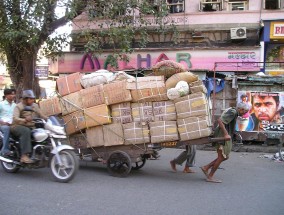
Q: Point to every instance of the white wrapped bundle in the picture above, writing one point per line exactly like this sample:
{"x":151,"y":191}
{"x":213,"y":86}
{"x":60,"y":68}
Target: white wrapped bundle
{"x":120,"y":76}
{"x":96,"y":78}
{"x":181,"y":89}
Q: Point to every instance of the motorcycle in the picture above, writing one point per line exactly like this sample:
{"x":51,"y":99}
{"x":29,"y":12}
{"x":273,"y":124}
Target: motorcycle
{"x":47,"y":151}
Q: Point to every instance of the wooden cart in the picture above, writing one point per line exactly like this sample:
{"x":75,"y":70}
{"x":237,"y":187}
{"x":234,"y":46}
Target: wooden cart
{"x":120,"y":160}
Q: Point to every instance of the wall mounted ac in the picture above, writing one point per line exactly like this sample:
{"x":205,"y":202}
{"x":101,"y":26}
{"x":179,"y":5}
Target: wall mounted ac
{"x":238,"y":33}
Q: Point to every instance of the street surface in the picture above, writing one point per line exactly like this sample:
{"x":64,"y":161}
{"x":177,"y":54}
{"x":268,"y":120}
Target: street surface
{"x":251,"y":185}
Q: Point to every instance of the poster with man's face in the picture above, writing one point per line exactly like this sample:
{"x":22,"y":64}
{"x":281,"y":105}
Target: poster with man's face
{"x":266,"y":111}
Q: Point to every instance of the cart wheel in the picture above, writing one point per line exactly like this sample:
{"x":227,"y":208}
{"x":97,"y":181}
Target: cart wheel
{"x":139,"y":164}
{"x":119,"y":164}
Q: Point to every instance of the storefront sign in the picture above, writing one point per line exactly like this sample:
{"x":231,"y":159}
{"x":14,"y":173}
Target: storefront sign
{"x":41,"y":71}
{"x":277,"y":30}
{"x":192,"y":60}
{"x":266,"y":111}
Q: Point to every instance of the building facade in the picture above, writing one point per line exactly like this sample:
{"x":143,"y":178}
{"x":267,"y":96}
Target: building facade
{"x":221,"y":35}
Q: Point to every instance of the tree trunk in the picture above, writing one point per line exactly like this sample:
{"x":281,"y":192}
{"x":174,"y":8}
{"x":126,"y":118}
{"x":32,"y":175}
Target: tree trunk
{"x":21,"y":68}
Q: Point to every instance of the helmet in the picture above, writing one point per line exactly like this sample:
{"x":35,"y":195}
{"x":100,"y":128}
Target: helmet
{"x":28,"y":94}
{"x":39,"y":135}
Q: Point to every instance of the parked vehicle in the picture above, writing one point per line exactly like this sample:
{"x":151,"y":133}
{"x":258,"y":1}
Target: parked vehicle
{"x":48,"y":151}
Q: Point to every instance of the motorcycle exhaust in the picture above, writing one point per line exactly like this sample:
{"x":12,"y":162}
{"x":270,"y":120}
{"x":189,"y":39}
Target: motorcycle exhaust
{"x":6,"y":160}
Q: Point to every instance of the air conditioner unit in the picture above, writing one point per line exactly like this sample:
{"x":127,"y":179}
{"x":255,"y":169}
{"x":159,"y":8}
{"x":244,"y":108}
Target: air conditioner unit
{"x":238,"y":33}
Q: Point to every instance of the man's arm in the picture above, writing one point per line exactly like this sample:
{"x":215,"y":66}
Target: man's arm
{"x":222,"y":126}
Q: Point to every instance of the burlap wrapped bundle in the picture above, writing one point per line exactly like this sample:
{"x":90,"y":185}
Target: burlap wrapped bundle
{"x":168,"y":68}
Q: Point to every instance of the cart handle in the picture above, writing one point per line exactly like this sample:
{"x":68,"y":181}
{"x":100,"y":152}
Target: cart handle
{"x":218,"y":139}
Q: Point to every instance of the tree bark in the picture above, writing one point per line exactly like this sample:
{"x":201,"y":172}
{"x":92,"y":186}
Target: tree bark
{"x":21,"y":67}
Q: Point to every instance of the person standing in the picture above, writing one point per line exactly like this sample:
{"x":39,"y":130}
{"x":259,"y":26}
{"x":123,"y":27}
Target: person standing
{"x":23,"y":116}
{"x":6,"y":116}
{"x":225,"y":128}
{"x":189,"y":156}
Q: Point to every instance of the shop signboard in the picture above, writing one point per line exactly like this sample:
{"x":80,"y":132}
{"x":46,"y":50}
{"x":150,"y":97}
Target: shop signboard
{"x":266,"y":111}
{"x":41,"y":71}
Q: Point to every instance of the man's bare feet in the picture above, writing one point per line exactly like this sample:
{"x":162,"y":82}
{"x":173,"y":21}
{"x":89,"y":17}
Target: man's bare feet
{"x":204,"y":171}
{"x":188,"y":170}
{"x":213,"y":180}
{"x":173,"y":166}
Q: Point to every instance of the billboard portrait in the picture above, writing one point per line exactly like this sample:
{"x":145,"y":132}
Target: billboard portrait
{"x":266,"y":111}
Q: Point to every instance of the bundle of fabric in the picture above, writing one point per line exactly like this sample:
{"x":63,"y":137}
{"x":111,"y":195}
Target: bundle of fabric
{"x":168,"y":68}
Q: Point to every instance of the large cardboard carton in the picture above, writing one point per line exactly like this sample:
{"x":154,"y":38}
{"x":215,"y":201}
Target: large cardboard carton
{"x":142,"y":112}
{"x":78,"y":141}
{"x":97,"y":115}
{"x":71,"y":103}
{"x":113,"y":134}
{"x":149,"y":94}
{"x":121,"y":113}
{"x":74,"y":122}
{"x":92,"y":96}
{"x":115,"y":93}
{"x":164,"y":111}
{"x":135,"y":133}
{"x":50,"y":106}
{"x":79,"y":120}
{"x":197,"y":86}
{"x":95,"y":136}
{"x":194,"y":127}
{"x":145,"y":82}
{"x":69,"y":84}
{"x":163,"y":131}
{"x":191,"y":105}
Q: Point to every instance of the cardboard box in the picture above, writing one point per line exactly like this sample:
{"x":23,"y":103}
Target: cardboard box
{"x":164,"y":111}
{"x":71,"y":103}
{"x":50,"y":106}
{"x":92,"y":96}
{"x":76,"y":121}
{"x":121,"y":113}
{"x":142,"y":112}
{"x":135,"y":133}
{"x":145,"y":82}
{"x":69,"y":84}
{"x":197,"y":86}
{"x":95,"y":136}
{"x":78,"y":141}
{"x":97,"y":115}
{"x":149,"y":95}
{"x":163,"y":131}
{"x":115,"y":93}
{"x":191,"y":105}
{"x":113,"y":134}
{"x":193,"y":128}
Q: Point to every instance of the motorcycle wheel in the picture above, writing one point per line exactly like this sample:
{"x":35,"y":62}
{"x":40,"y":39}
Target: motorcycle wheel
{"x":10,"y":167}
{"x":69,"y":168}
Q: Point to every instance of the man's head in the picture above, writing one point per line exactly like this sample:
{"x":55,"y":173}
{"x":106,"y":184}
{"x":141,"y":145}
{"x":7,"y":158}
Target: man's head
{"x":265,"y":107}
{"x":10,"y":94}
{"x":28,"y":97}
{"x":244,"y":98}
{"x":242,"y":108}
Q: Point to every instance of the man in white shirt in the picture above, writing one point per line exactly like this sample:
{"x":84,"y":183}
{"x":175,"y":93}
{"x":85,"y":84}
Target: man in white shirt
{"x":6,"y":116}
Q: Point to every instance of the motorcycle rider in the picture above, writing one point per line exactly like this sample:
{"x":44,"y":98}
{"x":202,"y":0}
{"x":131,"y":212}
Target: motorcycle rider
{"x":6,"y":116}
{"x":23,"y":115}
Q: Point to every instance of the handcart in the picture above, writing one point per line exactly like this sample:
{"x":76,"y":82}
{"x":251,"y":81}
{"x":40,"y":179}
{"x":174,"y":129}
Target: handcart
{"x":120,"y":160}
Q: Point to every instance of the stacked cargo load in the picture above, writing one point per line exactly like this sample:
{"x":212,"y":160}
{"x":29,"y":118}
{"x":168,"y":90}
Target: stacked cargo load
{"x":110,"y":109}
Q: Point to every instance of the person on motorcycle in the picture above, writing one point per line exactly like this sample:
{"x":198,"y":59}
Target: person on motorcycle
{"x":23,"y":116}
{"x":6,"y":116}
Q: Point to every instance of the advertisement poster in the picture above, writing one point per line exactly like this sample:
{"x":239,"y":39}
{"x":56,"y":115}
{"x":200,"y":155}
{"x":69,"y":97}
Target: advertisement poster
{"x":266,"y":111}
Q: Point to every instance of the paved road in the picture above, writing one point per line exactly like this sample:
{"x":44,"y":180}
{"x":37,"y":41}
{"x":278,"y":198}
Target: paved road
{"x":251,"y":185}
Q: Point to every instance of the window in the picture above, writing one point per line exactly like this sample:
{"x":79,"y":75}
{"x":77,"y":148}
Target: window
{"x":175,"y":6}
{"x":273,"y":4}
{"x":211,"y":5}
{"x":237,"y":5}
